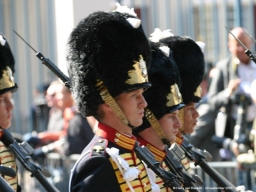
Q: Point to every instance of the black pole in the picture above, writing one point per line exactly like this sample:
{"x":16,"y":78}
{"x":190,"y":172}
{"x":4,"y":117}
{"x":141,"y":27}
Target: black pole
{"x":4,"y":186}
{"x":217,"y":177}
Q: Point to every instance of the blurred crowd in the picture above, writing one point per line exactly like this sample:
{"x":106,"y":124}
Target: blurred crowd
{"x":65,"y":130}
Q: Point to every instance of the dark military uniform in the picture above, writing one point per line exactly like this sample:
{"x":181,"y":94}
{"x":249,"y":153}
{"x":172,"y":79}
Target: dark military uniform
{"x":159,"y":156}
{"x":79,"y":135}
{"x":96,"y":171}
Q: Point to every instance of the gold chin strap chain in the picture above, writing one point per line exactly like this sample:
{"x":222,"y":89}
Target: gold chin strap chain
{"x":109,"y":100}
{"x":181,"y":118}
{"x":156,"y":126}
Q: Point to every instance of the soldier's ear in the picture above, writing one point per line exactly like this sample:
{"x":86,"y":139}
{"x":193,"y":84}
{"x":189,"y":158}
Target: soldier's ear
{"x":106,"y":107}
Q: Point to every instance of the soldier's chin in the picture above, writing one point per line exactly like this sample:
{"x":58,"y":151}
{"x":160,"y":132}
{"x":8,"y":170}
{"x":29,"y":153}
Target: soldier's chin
{"x":6,"y":125}
{"x":189,"y":130}
{"x":136,"y":123}
{"x":172,"y":139}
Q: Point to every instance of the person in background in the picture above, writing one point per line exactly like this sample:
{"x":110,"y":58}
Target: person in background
{"x":232,"y":81}
{"x":108,"y":55}
{"x":79,"y":133}
{"x":7,"y":87}
{"x":57,"y":97}
{"x":40,"y":109}
{"x":189,"y":58}
{"x":233,"y":75}
{"x":68,"y":131}
{"x":55,"y":122}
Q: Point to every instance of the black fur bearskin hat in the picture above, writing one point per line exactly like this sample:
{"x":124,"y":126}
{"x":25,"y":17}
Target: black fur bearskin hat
{"x":190,"y":61}
{"x":164,"y":96}
{"x":108,"y":47}
{"x":7,"y":63}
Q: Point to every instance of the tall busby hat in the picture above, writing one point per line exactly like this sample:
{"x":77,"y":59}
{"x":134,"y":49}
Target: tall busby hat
{"x":190,"y":61}
{"x":164,"y":96}
{"x":108,"y":52}
{"x":6,"y":67}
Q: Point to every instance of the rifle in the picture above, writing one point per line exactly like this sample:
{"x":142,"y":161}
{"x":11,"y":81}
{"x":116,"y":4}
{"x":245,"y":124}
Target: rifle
{"x":198,"y":156}
{"x":22,"y":152}
{"x":194,"y":153}
{"x":170,"y":180}
{"x":49,"y":64}
{"x":171,"y":160}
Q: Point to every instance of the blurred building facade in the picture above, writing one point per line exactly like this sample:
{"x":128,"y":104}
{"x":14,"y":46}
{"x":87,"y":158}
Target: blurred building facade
{"x":46,"y":25}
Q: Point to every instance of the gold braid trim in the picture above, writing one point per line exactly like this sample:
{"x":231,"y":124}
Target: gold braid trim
{"x":181,"y":118}
{"x":8,"y":160}
{"x":155,"y":125}
{"x":109,"y":100}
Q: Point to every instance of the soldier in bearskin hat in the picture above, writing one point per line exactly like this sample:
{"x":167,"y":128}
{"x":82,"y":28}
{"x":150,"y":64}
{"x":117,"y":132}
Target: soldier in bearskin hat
{"x":163,"y":98}
{"x":108,"y":56}
{"x":161,"y":123}
{"x":189,"y":58}
{"x":190,"y":62}
{"x":7,"y":87}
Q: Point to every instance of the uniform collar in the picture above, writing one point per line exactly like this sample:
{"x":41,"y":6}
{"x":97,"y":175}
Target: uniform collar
{"x":120,"y":139}
{"x":179,"y":139}
{"x":158,"y":154}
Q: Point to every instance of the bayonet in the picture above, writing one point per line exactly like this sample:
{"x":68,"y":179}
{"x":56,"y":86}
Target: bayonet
{"x":25,"y":41}
{"x":247,"y":51}
{"x":49,"y":64}
{"x":249,"y":35}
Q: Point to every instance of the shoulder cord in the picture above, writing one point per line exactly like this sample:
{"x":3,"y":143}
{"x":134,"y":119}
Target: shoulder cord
{"x":128,"y":174}
{"x":152,"y":178}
